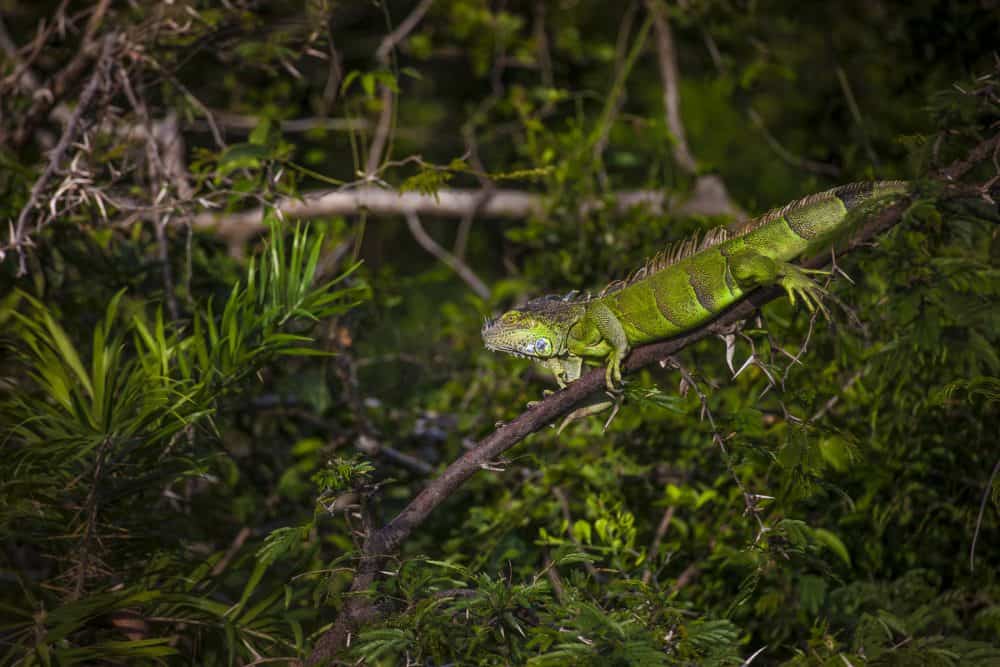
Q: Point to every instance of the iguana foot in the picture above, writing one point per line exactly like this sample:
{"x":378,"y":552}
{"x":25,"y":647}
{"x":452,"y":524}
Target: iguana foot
{"x":545,"y":394}
{"x":797,"y":283}
{"x":613,"y":374}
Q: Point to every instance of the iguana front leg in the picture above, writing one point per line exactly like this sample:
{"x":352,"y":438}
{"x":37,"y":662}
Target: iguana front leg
{"x":750,"y":269}
{"x":564,"y":369}
{"x":613,"y":333}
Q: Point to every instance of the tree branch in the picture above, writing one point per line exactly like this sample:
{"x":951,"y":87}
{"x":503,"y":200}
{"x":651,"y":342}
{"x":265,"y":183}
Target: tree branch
{"x":451,"y":261}
{"x":709,"y":190}
{"x":670,"y":78}
{"x":449,"y":203}
{"x":61,"y":82}
{"x":958,"y":169}
{"x":388,"y":98}
{"x":17,"y":240}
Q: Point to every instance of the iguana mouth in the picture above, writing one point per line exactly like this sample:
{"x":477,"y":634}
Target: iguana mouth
{"x":496,"y":343}
{"x":506,"y":349}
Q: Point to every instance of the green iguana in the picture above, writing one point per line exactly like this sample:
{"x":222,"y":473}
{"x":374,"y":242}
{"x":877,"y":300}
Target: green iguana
{"x":682,"y":287}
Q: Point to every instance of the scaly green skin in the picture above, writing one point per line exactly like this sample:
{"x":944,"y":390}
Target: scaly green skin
{"x":682,"y":288}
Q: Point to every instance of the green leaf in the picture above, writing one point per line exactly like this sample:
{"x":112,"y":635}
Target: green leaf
{"x":581,"y":531}
{"x":834,"y":543}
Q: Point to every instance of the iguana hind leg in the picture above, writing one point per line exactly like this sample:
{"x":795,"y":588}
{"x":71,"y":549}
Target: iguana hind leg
{"x":751,"y":269}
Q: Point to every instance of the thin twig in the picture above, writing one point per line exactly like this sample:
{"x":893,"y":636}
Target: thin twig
{"x":334,"y":76}
{"x":852,"y":104}
{"x":960,"y":168}
{"x":488,"y":191}
{"x":568,"y":518}
{"x":383,"y":128}
{"x":452,"y":262}
{"x":157,"y":182}
{"x":786,"y":155}
{"x":67,"y":138}
{"x":60,"y":83}
{"x":402,"y":31}
{"x":607,"y":118}
{"x":654,"y":548}
{"x":241,"y":537}
{"x":829,"y":405}
{"x":94,"y":23}
{"x":670,"y":79}
{"x":622,"y":66}
{"x":979,"y":519}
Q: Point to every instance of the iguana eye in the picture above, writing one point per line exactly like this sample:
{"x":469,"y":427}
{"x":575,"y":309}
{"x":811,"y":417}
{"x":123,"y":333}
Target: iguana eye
{"x":542,"y":346}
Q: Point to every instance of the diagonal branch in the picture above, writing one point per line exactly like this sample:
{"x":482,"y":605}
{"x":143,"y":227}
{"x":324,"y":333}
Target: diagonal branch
{"x":449,"y":260}
{"x":707,"y":187}
{"x":388,"y":98}
{"x":17,"y":240}
{"x":670,"y":79}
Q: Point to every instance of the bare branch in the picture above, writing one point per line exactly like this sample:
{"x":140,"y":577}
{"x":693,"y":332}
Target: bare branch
{"x":624,"y":60}
{"x":654,"y":548}
{"x":245,"y":123}
{"x":707,"y":199}
{"x":22,"y":76}
{"x":786,"y":155}
{"x":852,"y":104}
{"x":60,"y":83}
{"x":959,"y":169}
{"x":388,"y":98}
{"x":452,"y":262}
{"x":979,"y":518}
{"x":68,"y":135}
{"x":670,"y":78}
{"x":382,"y":129}
{"x":402,"y":30}
{"x":709,"y":187}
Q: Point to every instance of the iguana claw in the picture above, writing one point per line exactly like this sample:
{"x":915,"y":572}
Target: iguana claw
{"x":545,"y":394}
{"x":613,"y":374}
{"x":797,"y":283}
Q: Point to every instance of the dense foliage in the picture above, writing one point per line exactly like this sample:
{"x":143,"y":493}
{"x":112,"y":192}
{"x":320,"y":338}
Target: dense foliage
{"x":203,"y":413}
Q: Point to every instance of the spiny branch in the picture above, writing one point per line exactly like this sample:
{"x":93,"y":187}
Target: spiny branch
{"x":18,"y":240}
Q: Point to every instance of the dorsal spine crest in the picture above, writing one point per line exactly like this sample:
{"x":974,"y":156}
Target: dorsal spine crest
{"x":680,"y":250}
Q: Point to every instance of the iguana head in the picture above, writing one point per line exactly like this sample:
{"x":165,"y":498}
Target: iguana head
{"x":539,"y":329}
